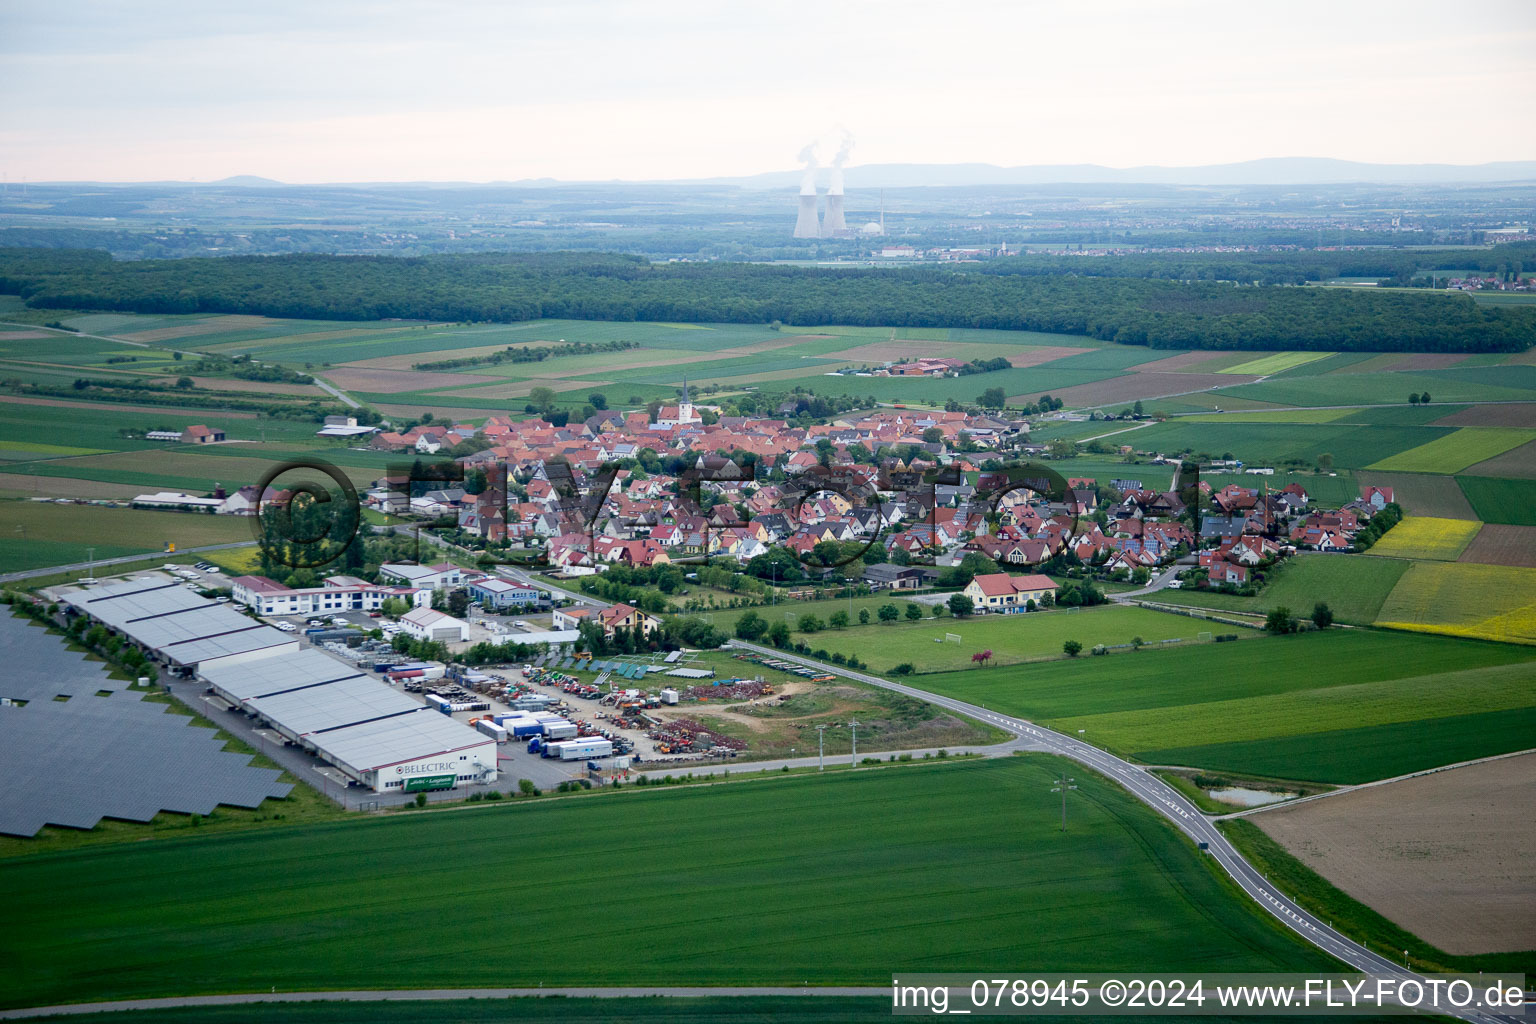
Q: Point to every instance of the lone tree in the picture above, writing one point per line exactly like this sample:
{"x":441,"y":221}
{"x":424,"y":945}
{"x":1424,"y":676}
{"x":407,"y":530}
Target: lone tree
{"x":993,"y":398}
{"x":1280,"y":621}
{"x":1072,"y":648}
{"x":1322,"y":615}
{"x":838,"y":620}
{"x":982,"y":657}
{"x":1413,"y":399}
{"x":889,"y":613}
{"x":960,"y":604}
{"x":863,"y":616}
{"x":913,"y":612}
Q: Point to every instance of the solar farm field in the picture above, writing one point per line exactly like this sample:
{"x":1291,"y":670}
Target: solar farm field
{"x":1494,"y":602}
{"x":1279,"y":706}
{"x":309,"y":912}
{"x":1354,"y":588}
{"x":1424,"y":537}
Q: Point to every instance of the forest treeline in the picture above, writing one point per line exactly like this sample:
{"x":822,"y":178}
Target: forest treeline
{"x":1172,"y":314}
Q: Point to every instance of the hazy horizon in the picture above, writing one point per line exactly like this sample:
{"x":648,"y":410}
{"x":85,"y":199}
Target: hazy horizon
{"x":597,"y":90}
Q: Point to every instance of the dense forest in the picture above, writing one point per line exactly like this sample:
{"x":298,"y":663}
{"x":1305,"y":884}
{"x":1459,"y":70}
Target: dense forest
{"x":1172,"y":314}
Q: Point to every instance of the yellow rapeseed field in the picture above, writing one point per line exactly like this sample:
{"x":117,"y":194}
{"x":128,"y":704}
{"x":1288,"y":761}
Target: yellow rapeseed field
{"x":1489,"y":602}
{"x":1426,"y":537}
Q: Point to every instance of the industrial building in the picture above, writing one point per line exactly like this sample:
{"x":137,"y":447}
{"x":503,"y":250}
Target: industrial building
{"x":379,"y":737}
{"x":175,"y":627}
{"x":427,"y":624}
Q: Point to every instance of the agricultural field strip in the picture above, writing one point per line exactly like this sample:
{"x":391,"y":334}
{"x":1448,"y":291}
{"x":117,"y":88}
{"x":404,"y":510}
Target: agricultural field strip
{"x":1303,"y":712}
{"x":1456,"y":451}
{"x":1425,"y":537}
{"x":1464,"y":599}
{"x":1276,"y":362}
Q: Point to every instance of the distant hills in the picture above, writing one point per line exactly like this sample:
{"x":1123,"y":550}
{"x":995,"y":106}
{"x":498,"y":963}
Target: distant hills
{"x":1278,"y":171}
{"x":1272,"y":171}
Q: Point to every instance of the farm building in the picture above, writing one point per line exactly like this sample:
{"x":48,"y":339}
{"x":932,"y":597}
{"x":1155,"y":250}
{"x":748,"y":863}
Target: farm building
{"x":379,"y":737}
{"x":199,"y":434}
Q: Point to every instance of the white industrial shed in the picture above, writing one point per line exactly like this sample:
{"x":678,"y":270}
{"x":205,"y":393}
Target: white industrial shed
{"x":378,"y":736}
{"x":179,"y":628}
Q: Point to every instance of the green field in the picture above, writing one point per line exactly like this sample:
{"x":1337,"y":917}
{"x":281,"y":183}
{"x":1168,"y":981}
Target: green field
{"x":1389,"y":388}
{"x":1455,"y":452}
{"x":1277,"y":362}
{"x":1354,"y":588}
{"x":1352,"y":445}
{"x":1265,"y":702}
{"x":1498,"y":500}
{"x":35,"y":534}
{"x":1010,"y":638}
{"x":838,"y":886}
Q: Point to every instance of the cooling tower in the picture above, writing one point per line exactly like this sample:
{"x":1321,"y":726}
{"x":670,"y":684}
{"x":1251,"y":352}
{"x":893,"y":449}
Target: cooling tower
{"x":807,"y":226}
{"x":832,"y":225}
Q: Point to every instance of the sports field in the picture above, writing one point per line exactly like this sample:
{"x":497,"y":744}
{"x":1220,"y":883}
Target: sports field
{"x":1425,"y":537}
{"x":1494,"y":602}
{"x":1340,"y":706}
{"x":837,"y":884}
{"x":1353,"y":588}
{"x":1010,"y":638}
{"x":1457,"y":451}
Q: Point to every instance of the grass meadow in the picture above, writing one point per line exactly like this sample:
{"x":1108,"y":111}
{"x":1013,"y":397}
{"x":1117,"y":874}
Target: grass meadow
{"x":1353,"y":588}
{"x":840,"y":872}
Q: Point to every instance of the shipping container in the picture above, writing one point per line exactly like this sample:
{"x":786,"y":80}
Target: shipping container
{"x":492,"y":730}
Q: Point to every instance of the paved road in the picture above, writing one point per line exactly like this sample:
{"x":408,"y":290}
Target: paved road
{"x":103,"y":562}
{"x":325,"y":385}
{"x":411,"y":995}
{"x":1168,"y":802}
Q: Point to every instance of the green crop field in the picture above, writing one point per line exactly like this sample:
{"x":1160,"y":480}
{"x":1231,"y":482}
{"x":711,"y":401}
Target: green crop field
{"x":1497,"y":500}
{"x":1353,"y":446}
{"x":1271,"y":416}
{"x":1455,"y":452}
{"x":1276,"y":362}
{"x":1381,"y":388}
{"x":837,"y":885}
{"x":1354,"y":588}
{"x":1010,"y":638}
{"x":35,"y":534}
{"x":1277,"y":691}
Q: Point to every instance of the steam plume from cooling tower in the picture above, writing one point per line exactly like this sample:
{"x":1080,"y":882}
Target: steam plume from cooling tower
{"x":833,"y":226}
{"x":844,"y":147}
{"x":808,"y":179}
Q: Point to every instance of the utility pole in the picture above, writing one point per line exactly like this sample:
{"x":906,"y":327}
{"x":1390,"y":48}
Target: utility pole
{"x":821,"y":748}
{"x":1062,"y":785}
{"x":854,"y":725}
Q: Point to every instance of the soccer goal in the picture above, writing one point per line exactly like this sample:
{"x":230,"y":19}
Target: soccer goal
{"x":951,"y":638}
{"x":1203,"y":638}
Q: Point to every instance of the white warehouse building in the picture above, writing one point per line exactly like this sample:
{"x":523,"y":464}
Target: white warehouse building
{"x":429,"y":624}
{"x":379,"y":737}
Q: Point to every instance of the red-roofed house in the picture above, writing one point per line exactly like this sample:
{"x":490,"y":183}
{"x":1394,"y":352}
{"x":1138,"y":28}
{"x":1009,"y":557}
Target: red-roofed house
{"x":1000,"y":592}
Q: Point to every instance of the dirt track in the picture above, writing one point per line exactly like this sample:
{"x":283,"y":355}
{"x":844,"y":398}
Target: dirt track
{"x":1447,"y":856}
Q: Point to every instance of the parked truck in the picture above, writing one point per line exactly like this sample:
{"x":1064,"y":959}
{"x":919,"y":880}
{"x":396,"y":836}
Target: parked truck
{"x":579,"y":749}
{"x":492,"y":730}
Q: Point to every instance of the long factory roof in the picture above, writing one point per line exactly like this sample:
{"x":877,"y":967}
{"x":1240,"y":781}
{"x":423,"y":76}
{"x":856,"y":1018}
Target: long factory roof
{"x":343,"y":712}
{"x":165,"y":616}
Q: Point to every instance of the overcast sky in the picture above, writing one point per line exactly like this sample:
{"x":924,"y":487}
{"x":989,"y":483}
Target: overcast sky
{"x":319,"y":90}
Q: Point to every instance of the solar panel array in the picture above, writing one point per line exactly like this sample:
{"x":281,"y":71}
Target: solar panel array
{"x":76,"y":761}
{"x":340,"y":713}
{"x":166,"y":617}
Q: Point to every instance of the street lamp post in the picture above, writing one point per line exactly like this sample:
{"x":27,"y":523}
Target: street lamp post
{"x":821,"y":748}
{"x":854,"y":725}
